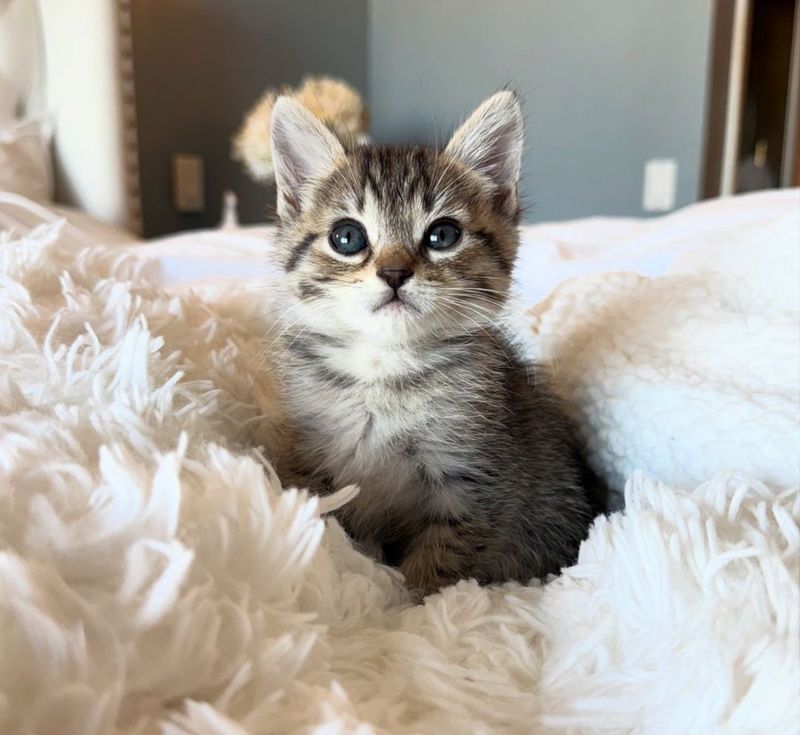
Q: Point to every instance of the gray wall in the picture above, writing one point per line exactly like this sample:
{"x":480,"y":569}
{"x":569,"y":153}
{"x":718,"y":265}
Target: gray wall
{"x":607,"y":85}
{"x":200,"y":64}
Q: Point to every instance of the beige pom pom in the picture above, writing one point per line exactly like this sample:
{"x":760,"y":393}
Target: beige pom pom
{"x":334,"y":102}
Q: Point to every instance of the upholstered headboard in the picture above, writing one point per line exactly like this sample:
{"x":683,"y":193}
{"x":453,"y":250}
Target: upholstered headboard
{"x":72,"y":61}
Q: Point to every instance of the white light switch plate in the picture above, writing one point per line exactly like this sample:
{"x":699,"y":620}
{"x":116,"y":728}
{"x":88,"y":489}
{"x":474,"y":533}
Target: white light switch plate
{"x":660,"y":184}
{"x":188,"y":186}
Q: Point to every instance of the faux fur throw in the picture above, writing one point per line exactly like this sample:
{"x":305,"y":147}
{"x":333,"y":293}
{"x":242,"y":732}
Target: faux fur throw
{"x":155,"y":578}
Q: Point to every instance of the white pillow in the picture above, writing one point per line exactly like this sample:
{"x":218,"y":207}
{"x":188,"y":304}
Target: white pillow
{"x":25,"y":166}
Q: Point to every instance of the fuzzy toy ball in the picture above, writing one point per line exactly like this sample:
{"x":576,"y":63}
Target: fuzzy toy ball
{"x":333,"y":101}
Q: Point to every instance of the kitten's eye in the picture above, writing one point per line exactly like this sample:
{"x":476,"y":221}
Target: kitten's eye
{"x":348,"y":238}
{"x":442,"y":234}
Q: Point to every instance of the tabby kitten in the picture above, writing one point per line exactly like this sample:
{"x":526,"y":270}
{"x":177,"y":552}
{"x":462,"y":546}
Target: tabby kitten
{"x":398,"y":263}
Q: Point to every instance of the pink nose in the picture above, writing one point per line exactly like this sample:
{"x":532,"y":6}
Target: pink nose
{"x":395,"y":277}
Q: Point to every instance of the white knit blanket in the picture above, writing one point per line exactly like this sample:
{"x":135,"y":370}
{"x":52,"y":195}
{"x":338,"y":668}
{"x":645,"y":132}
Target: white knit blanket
{"x":154,"y":577}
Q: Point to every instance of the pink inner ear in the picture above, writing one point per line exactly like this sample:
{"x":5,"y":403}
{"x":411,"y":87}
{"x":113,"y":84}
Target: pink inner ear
{"x":302,"y":149}
{"x":506,"y":200}
{"x":291,"y":201}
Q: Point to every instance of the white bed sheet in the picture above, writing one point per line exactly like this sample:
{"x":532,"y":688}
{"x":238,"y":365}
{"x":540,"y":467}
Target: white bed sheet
{"x":549,"y":253}
{"x":218,"y":260}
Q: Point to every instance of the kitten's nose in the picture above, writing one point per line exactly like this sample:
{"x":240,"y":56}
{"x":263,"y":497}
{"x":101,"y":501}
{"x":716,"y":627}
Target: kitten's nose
{"x":395,"y":277}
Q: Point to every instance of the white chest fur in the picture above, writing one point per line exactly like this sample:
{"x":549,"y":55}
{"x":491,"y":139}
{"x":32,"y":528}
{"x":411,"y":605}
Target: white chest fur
{"x":387,"y":424}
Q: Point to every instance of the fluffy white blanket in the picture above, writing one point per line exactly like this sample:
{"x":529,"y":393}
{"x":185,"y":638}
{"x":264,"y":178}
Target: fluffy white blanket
{"x":155,"y":578}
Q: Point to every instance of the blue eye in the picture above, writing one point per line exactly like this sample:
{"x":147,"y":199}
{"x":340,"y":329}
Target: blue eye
{"x":348,"y":238}
{"x":442,"y":234}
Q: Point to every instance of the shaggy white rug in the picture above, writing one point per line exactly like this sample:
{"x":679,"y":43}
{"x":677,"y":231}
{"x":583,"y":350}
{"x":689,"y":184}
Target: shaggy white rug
{"x":154,"y":577}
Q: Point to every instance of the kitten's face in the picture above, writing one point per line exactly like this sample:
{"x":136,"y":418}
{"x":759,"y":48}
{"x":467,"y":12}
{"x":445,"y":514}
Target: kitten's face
{"x":399,"y":243}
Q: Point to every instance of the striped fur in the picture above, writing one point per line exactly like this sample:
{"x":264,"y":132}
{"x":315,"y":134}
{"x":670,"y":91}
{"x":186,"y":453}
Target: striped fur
{"x":466,"y":463}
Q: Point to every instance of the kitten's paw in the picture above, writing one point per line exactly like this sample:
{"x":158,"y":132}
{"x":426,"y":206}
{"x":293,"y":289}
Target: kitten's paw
{"x":436,"y":560}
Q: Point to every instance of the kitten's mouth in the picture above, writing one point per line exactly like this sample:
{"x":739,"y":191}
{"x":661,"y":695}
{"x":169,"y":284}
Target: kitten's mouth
{"x":394,"y":302}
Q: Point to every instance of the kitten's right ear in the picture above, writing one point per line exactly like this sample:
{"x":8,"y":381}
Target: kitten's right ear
{"x":303,"y":150}
{"x":490,"y":142}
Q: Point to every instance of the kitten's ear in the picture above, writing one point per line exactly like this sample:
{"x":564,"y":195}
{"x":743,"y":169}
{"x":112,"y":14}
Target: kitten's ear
{"x":303,"y":149}
{"x":490,"y":142}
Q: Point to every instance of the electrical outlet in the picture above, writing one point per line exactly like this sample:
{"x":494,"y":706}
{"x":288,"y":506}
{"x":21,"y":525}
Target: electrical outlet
{"x":660,"y":184}
{"x":188,"y":186}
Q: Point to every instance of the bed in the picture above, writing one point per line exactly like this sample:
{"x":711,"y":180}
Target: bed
{"x":155,"y":575}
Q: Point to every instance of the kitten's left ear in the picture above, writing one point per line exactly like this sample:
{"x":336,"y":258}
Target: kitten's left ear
{"x":490,"y":142}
